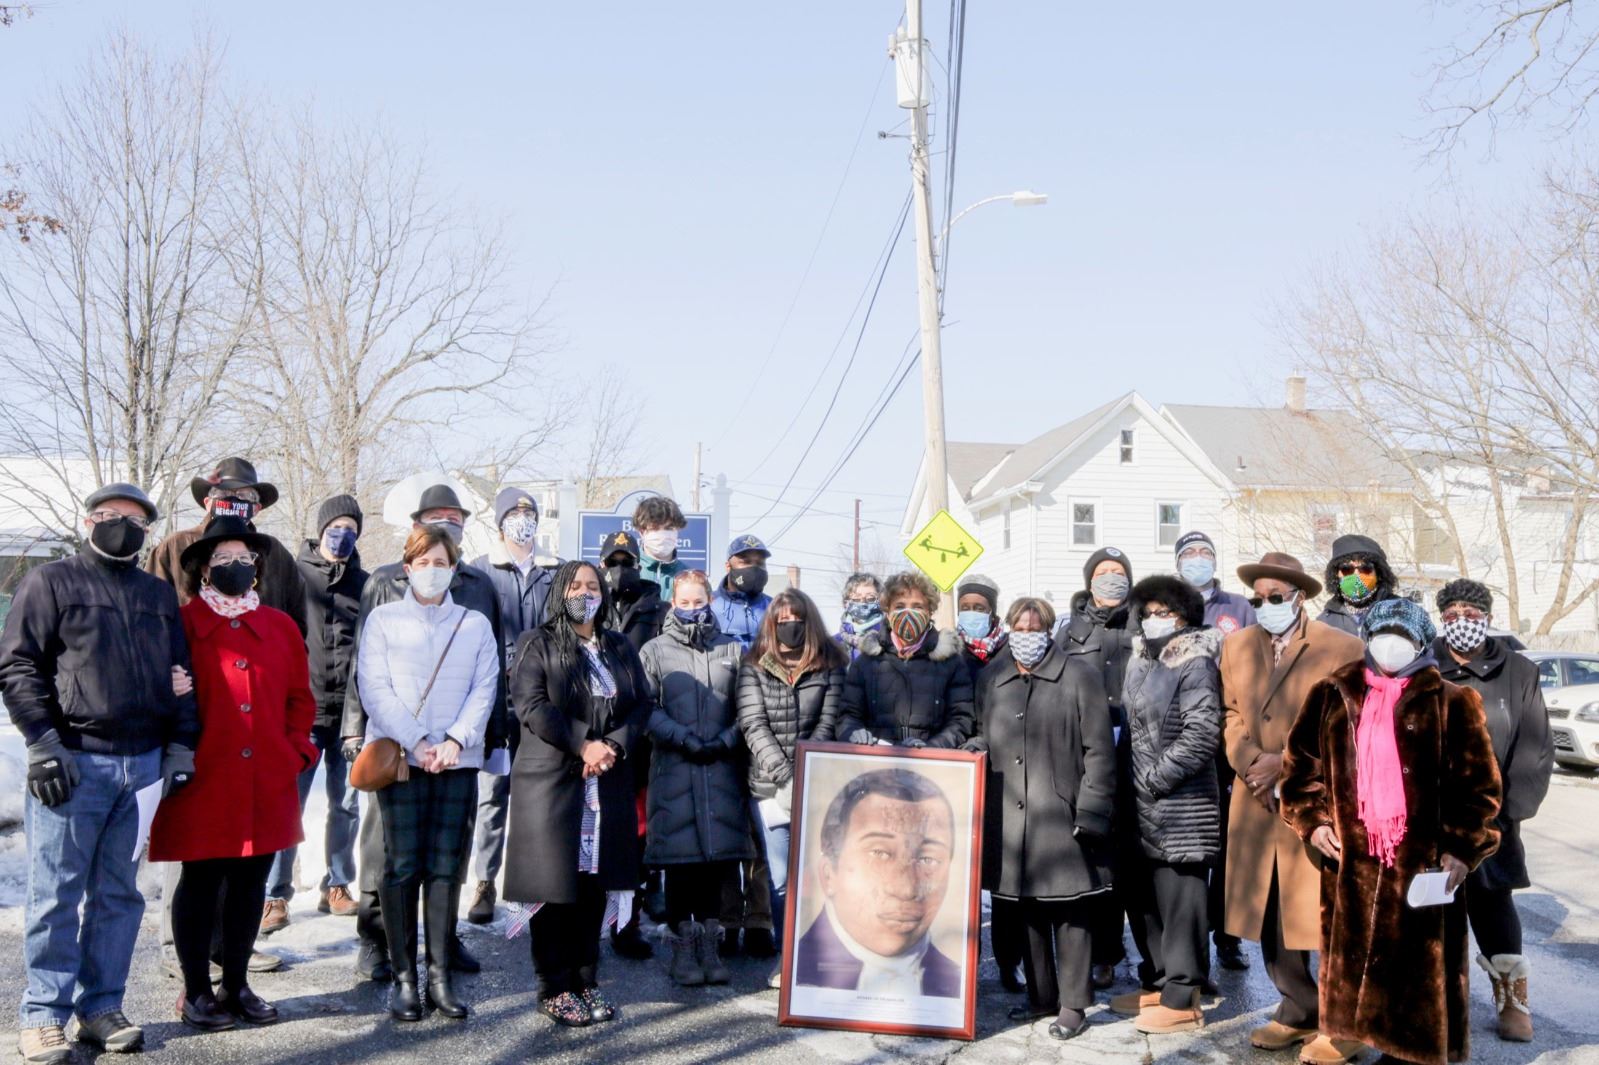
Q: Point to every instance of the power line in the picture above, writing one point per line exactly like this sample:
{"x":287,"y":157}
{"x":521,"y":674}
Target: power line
{"x":954,"y":69}
{"x":832,"y":402}
{"x":741,"y":485}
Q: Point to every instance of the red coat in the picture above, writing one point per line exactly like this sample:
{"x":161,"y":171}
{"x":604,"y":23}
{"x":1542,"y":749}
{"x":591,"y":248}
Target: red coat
{"x":253,"y":686}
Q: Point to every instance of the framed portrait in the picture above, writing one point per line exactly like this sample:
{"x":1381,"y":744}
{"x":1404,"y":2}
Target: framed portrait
{"x":882,"y":912}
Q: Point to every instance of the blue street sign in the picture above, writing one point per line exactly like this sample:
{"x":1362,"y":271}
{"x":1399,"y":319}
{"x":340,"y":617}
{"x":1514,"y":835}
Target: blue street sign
{"x":693,"y":542}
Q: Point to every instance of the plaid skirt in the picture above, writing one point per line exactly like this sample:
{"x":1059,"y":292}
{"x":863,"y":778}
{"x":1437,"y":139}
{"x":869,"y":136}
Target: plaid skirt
{"x":427,"y":825}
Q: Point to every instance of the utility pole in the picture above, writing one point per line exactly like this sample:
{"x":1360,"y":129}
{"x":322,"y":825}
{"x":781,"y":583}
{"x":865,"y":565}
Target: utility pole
{"x":910,"y":62}
{"x":856,"y":555}
{"x":695,"y":495}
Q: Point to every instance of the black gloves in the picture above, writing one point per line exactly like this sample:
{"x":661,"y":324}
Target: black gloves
{"x":52,"y":774}
{"x":704,"y":752}
{"x":177,"y":769}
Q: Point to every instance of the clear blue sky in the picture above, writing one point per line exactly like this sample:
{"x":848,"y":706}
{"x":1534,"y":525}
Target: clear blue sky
{"x":669,"y":168}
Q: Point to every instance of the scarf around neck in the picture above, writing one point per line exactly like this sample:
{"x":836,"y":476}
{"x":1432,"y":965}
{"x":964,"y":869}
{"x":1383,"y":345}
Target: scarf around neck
{"x":229,"y":606}
{"x":986,"y":647}
{"x":1379,"y":777}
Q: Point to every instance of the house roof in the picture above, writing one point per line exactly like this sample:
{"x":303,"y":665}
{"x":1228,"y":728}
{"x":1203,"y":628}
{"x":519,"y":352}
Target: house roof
{"x":1274,"y":447}
{"x":970,"y":463}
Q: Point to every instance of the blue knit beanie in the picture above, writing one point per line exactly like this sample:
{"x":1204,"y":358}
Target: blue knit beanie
{"x":1400,"y":614}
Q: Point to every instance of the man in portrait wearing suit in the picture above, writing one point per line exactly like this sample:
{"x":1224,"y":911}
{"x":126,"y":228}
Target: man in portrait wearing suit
{"x":887,"y":844}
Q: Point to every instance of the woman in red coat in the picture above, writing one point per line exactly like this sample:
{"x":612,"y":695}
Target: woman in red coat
{"x":256,"y":710}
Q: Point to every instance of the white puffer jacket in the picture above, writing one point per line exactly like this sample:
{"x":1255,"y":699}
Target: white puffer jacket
{"x":400,"y":644}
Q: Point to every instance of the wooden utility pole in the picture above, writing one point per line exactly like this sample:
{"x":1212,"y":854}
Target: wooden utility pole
{"x":856,"y":554}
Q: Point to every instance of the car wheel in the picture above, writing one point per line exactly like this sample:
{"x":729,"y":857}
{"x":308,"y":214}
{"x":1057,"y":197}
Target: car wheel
{"x":1583,"y":770}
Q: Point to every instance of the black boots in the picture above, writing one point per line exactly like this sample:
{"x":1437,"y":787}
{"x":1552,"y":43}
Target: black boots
{"x":399,"y":925}
{"x":441,"y":900}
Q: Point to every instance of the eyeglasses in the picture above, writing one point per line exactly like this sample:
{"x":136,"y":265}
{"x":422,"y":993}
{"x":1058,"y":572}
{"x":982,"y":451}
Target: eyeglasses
{"x":1159,"y":612}
{"x":138,"y":521}
{"x":1275,"y":599}
{"x":1463,"y":615}
{"x":1365,"y":569}
{"x":239,"y":556}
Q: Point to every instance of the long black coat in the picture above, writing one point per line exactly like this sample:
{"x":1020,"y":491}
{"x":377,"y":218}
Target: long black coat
{"x":1106,"y":644}
{"x":694,"y":813}
{"x":926,"y":697}
{"x":558,"y":715}
{"x":775,"y":715}
{"x":1051,"y":768}
{"x":332,"y":605}
{"x":1174,"y":715}
{"x":1518,"y":722}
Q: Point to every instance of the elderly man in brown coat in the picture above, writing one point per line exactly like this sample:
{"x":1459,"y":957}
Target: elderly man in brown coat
{"x":1273,"y":879}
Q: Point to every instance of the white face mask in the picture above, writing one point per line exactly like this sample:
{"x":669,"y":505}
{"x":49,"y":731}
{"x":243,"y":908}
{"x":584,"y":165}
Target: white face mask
{"x":1391,"y":651}
{"x":430,"y":582}
{"x":659,"y":544}
{"x":1159,"y":628}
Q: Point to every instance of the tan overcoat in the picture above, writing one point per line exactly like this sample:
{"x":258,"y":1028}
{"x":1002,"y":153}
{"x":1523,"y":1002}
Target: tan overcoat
{"x":1261,"y":702}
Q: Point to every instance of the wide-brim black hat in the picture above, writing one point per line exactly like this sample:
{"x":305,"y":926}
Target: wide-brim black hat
{"x":223,"y":527}
{"x":232,"y":474}
{"x":438,"y":496}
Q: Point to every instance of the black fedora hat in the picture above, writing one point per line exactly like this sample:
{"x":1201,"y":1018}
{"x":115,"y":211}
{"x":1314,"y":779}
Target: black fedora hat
{"x":231,"y":474}
{"x":435,"y":497}
{"x":1281,"y":567}
{"x":220,"y":528}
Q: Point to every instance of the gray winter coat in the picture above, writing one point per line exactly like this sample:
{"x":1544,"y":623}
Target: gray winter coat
{"x":696,"y":813}
{"x":1174,"y":714}
{"x":775,"y":715}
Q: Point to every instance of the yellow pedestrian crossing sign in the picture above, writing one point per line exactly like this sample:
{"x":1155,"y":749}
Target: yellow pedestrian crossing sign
{"x":943,"y":550}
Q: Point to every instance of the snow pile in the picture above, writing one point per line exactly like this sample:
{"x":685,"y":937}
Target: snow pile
{"x":13,"y":785}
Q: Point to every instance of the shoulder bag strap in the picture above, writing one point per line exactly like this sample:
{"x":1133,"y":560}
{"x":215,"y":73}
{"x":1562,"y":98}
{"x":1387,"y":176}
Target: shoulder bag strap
{"x":420,"y":703}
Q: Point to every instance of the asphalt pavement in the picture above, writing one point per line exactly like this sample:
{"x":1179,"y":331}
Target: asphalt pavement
{"x":330,"y":1017}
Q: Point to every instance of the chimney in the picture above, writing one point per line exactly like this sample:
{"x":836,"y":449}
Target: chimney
{"x":793,"y":576}
{"x":1296,"y":394}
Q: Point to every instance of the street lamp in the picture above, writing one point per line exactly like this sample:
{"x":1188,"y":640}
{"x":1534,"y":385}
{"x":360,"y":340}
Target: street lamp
{"x":1019,"y":198}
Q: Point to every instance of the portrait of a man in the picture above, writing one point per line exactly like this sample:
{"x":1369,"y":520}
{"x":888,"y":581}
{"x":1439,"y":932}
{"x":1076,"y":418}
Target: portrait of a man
{"x":887,"y":844}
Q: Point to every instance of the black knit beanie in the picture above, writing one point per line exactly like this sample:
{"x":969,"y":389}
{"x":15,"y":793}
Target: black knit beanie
{"x":1472,"y":593}
{"x":1102,"y":555}
{"x":337,"y":507}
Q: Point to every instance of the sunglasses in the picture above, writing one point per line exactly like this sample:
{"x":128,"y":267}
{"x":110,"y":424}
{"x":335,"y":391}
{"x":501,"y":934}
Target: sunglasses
{"x":1275,"y":599}
{"x":1365,"y":569}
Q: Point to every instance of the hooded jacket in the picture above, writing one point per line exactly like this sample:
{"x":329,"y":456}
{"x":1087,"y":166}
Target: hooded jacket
{"x":696,"y":813}
{"x":739,"y":615}
{"x":926,"y":697}
{"x":332,"y":604}
{"x":1174,"y":714}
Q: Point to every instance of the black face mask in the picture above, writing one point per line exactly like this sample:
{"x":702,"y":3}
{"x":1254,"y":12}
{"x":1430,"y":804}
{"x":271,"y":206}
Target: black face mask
{"x":749,"y":580}
{"x":624,"y":582}
{"x":234,"y":579}
{"x":791,"y":635}
{"x":117,"y":538}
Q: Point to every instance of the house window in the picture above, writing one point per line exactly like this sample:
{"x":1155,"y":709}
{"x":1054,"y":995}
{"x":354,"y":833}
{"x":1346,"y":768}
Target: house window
{"x":1323,"y":529}
{"x":1127,"y":447}
{"x":1085,"y":525}
{"x":1168,"y":523}
{"x":1006,"y":536}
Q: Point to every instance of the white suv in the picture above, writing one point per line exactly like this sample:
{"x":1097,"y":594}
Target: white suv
{"x":1574,"y":725}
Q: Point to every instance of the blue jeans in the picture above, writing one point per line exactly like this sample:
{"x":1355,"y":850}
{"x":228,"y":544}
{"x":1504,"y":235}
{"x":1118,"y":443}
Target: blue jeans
{"x":775,"y":840}
{"x":344,"y":815}
{"x":81,"y":852}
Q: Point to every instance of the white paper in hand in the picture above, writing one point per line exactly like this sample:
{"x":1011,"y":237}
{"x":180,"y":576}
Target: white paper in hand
{"x":148,"y":799}
{"x":1429,"y":889}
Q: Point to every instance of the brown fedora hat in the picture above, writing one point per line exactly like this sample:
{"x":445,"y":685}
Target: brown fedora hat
{"x":1283,"y":567}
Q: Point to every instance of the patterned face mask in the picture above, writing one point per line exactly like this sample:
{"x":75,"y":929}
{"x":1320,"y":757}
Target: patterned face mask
{"x":580,"y":609}
{"x":520,"y":527}
{"x":1029,"y":648}
{"x":909,"y":625}
{"x":1465,"y":635}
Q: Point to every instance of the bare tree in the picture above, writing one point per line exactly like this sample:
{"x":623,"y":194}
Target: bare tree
{"x":610,"y":449}
{"x":385,"y":327}
{"x":1466,"y":351}
{"x":118,"y":329}
{"x":1521,"y":62}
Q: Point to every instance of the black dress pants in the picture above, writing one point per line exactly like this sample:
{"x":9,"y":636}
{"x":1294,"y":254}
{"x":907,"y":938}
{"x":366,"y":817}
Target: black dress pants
{"x":566,"y":940}
{"x":694,"y":890}
{"x":1289,"y":969}
{"x":1059,"y":955}
{"x":240,"y":884}
{"x":1178,"y":931}
{"x":1494,"y":920}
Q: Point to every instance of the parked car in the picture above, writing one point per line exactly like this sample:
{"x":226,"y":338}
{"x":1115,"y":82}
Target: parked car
{"x":1574,"y":726}
{"x":1564,"y":669}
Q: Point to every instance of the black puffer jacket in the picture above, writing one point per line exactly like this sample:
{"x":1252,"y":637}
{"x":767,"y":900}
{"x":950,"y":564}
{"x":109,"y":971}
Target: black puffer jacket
{"x":926,"y":697}
{"x":332,"y":605}
{"x":696,"y":812}
{"x":1518,"y":722}
{"x":774,"y":716}
{"x":88,"y":650}
{"x":1174,"y":716}
{"x":470,"y":588}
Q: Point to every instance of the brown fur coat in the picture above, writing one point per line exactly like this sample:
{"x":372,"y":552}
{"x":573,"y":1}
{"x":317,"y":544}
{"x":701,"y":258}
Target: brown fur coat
{"x":1394,"y":977}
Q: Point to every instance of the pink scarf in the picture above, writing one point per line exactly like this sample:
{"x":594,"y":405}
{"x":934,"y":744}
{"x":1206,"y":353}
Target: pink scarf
{"x":1379,"y":778}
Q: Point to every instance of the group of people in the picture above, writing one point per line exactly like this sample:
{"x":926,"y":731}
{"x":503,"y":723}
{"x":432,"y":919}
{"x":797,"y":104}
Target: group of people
{"x":620,"y":735}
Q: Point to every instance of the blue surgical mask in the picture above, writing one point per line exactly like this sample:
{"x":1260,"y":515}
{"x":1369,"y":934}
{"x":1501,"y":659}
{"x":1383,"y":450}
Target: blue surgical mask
{"x":1198,"y":572}
{"x":1277,"y":618}
{"x":974,"y":624}
{"x":338,"y":542}
{"x":1029,"y":648}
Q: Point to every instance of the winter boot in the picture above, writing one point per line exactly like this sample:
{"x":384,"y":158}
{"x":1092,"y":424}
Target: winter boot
{"x":710,"y":958}
{"x":685,"y":967}
{"x":399,"y":921}
{"x":441,"y":900}
{"x":1509,"y":975}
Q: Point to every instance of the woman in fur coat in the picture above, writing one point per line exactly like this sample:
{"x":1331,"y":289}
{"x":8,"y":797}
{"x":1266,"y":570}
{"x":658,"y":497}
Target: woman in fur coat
{"x":1389,"y":772}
